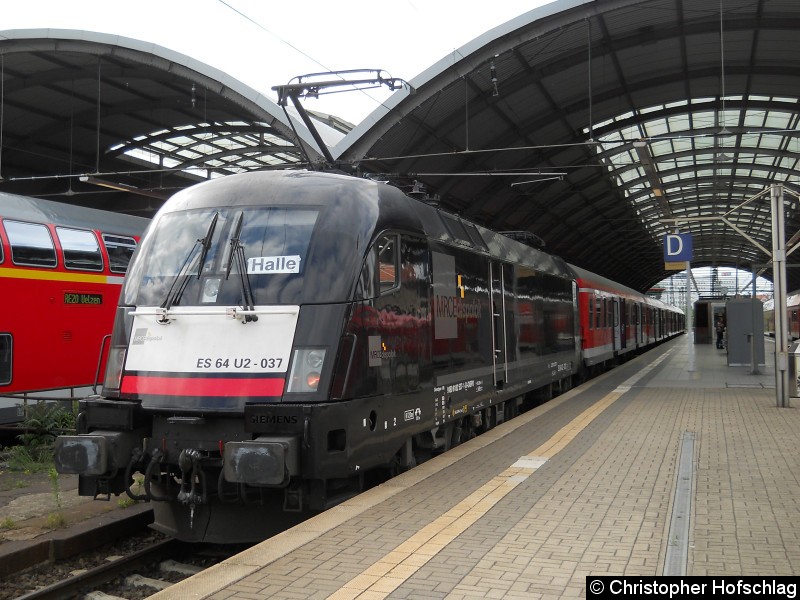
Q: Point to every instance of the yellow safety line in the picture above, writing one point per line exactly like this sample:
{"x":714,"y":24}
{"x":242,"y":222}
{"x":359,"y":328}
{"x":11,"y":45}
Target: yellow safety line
{"x":396,"y":567}
{"x":59,"y":276}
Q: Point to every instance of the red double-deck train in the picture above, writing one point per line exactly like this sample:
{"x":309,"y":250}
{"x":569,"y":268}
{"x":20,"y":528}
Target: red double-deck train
{"x":282,"y":334}
{"x":61,"y":271}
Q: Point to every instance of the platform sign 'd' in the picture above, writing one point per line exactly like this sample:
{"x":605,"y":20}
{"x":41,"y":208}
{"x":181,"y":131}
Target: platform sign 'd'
{"x":677,"y":250}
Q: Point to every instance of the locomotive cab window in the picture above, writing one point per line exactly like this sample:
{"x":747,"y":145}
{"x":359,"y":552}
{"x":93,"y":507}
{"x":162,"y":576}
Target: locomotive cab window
{"x":120,"y":249}
{"x":190,"y":262}
{"x":31,"y":244}
{"x":81,"y":249}
{"x":387,"y":262}
{"x":380,"y":273}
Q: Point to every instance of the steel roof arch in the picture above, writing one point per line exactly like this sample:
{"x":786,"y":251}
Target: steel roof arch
{"x":619,"y":95}
{"x":578,"y":83}
{"x":147,"y":94}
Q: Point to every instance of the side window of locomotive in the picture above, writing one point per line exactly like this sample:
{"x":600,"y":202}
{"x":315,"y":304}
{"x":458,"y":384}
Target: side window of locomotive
{"x":120,"y":249}
{"x":388,"y":254}
{"x":31,"y":244}
{"x":81,"y":249}
{"x":5,"y":358}
{"x":379,"y":273}
{"x":475,"y":236}
{"x":457,"y":230}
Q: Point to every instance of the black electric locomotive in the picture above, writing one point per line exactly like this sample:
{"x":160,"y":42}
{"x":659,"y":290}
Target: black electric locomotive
{"x":282,"y":334}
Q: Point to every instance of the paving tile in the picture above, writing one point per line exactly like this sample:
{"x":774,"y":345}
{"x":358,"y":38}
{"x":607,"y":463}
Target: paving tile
{"x":599,"y":505}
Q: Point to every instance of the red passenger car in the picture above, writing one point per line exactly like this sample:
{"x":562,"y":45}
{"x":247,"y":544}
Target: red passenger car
{"x":61,"y":270}
{"x":616,"y":320}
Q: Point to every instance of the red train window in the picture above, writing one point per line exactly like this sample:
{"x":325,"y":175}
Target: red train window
{"x":598,"y":313}
{"x":120,"y":249}
{"x":31,"y":244}
{"x":81,"y":249}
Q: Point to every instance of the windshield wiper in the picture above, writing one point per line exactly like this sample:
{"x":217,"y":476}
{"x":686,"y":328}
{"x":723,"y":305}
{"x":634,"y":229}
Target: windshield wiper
{"x":182,"y":278}
{"x":206,"y":241}
{"x":237,"y":253}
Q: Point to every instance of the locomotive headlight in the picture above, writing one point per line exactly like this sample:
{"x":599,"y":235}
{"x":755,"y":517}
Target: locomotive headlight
{"x":306,"y":370}
{"x":116,"y":360}
{"x":312,"y":380}
{"x":315,"y":358}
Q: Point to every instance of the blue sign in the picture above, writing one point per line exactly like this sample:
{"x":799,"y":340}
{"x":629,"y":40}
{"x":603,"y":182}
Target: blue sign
{"x":678,"y":247}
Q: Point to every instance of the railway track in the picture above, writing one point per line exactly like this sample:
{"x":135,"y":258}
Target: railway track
{"x":137,"y":575}
{"x":98,"y":577}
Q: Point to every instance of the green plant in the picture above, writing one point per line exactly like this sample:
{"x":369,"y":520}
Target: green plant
{"x":43,"y":422}
{"x":56,"y":489}
{"x":136,"y":486}
{"x":7,"y":523}
{"x":56,"y":520}
{"x":29,"y":460}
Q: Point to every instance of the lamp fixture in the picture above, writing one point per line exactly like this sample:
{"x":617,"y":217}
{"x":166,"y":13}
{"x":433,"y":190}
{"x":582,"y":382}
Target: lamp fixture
{"x":122,"y":187}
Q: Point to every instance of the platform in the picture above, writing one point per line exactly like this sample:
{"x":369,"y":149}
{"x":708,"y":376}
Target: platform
{"x":672,"y":463}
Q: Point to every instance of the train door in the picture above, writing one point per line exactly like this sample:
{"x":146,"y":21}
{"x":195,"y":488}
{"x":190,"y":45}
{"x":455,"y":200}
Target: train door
{"x":623,"y":324}
{"x":639,"y":329}
{"x":657,"y":323}
{"x":616,"y":324}
{"x":500,"y":358}
{"x":6,"y":344}
{"x":580,"y":338}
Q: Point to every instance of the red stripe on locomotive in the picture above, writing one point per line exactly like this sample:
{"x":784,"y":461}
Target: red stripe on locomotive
{"x":202,"y":386}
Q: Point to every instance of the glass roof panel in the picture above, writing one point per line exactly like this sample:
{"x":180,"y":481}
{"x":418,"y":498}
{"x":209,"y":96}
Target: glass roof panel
{"x":778,"y":120}
{"x":656,"y":128}
{"x":702,"y":174}
{"x":245,"y":146}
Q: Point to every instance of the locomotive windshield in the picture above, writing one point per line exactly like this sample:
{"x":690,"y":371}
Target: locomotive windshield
{"x":187,"y":258}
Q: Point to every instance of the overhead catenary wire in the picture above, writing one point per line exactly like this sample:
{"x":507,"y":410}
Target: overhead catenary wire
{"x":292,"y":46}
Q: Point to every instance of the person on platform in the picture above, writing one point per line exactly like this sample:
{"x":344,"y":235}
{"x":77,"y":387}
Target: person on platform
{"x":720,"y":328}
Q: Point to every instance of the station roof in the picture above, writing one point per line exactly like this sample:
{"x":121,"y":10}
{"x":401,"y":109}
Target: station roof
{"x":598,"y":125}
{"x":119,"y":124}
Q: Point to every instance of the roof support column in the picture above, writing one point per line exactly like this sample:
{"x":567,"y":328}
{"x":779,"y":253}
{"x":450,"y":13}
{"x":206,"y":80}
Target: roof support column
{"x":779,"y":281}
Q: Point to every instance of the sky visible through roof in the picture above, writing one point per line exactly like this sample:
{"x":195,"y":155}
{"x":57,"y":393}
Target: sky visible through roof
{"x":264,"y":44}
